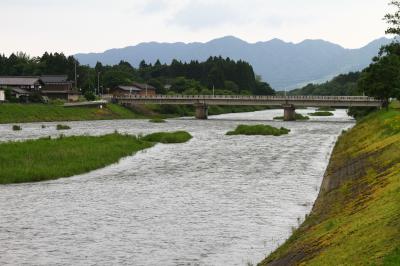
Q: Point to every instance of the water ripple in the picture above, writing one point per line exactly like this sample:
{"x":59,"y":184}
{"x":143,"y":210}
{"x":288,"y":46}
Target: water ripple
{"x":215,"y":200}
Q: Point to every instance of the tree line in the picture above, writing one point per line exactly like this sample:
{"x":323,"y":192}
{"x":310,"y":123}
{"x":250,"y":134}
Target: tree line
{"x":224,"y":76}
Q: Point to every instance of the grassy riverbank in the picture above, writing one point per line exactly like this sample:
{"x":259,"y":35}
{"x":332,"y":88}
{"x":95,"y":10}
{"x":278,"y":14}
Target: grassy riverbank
{"x":356,"y":218}
{"x":26,"y":113}
{"x":46,"y":159}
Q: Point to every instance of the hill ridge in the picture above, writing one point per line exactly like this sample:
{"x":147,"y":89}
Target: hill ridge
{"x":282,"y":64}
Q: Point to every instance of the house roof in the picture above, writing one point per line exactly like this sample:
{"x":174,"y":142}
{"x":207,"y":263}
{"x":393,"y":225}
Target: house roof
{"x":61,"y":92}
{"x":54,"y":79}
{"x":20,"y":91}
{"x":19,"y":80}
{"x":129,"y":88}
{"x":143,"y":86}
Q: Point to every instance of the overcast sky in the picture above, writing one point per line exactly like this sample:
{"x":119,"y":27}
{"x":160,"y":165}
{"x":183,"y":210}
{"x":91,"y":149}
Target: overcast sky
{"x":73,"y":26}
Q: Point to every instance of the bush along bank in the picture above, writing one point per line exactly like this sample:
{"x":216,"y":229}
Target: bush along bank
{"x":168,"y":137}
{"x":298,"y":117}
{"x":356,"y":218}
{"x":46,"y":158}
{"x":263,"y":130}
{"x":321,"y":113}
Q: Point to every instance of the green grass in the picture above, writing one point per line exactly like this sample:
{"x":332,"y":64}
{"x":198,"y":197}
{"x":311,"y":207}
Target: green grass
{"x":395,"y":104}
{"x":356,"y":218}
{"x":299,"y":117}
{"x":393,"y":259}
{"x":47,"y":159}
{"x":323,"y":113}
{"x":326,"y":109}
{"x":24,"y":113}
{"x":263,"y":130}
{"x":157,"y":120}
{"x":168,"y":137}
{"x":63,"y":127}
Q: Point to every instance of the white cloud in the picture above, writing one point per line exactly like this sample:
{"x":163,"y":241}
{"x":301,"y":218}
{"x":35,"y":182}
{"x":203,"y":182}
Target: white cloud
{"x":96,"y":25}
{"x":155,"y":6}
{"x":198,"y":15}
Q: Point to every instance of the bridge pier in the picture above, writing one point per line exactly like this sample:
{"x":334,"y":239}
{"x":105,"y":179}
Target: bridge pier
{"x":201,"y":111}
{"x":289,"y":112}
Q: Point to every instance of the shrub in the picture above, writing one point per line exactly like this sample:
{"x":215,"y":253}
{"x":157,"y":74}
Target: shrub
{"x":297,"y":117}
{"x":360,"y":112}
{"x":264,"y":130}
{"x":36,"y":98}
{"x":324,"y":113}
{"x":157,"y":120}
{"x":90,"y":96}
{"x":168,"y":137}
{"x":63,"y":127}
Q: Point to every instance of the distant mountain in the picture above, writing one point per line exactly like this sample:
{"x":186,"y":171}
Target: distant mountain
{"x":282,"y":64}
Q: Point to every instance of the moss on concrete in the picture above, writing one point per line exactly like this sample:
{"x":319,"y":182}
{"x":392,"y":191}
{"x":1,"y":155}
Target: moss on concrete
{"x":356,"y":218}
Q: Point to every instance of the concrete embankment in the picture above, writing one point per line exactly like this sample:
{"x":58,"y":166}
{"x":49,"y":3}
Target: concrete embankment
{"x":356,"y":218}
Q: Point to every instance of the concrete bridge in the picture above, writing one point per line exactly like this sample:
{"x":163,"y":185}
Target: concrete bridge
{"x":288,"y":103}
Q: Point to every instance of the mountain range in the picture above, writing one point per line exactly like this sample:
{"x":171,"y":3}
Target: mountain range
{"x":283,"y":65}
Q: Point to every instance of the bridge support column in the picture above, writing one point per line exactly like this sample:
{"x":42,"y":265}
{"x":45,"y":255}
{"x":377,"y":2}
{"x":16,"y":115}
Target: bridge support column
{"x":289,"y":112}
{"x":201,"y":111}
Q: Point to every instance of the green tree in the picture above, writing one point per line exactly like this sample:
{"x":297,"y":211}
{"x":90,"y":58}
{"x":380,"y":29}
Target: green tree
{"x":382,"y":78}
{"x":231,"y":86}
{"x":393,"y":19}
{"x":90,"y":96}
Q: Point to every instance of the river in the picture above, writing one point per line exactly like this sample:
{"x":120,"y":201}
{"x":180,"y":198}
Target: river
{"x":216,"y":200}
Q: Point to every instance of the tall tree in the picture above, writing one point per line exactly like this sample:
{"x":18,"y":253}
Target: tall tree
{"x":393,"y":19}
{"x":382,"y":78}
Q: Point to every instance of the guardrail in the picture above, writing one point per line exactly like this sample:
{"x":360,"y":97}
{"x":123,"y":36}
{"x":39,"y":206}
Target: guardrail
{"x":298,"y":101}
{"x":240,"y":97}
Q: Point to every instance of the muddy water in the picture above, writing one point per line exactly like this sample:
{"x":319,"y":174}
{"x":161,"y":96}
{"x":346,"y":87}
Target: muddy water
{"x":216,"y":200}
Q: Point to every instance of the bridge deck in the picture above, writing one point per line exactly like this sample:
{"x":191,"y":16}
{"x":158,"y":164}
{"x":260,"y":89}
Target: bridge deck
{"x":301,"y":101}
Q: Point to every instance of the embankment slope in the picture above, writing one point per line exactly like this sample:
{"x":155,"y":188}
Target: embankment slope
{"x":356,"y":218}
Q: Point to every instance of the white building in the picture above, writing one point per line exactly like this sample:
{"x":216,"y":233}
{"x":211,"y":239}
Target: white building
{"x":2,"y":96}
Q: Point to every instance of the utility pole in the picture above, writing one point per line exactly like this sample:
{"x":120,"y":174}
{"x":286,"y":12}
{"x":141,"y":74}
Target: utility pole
{"x":146,"y":89}
{"x":98,"y":82}
{"x":76,"y":79}
{"x":213,"y":90}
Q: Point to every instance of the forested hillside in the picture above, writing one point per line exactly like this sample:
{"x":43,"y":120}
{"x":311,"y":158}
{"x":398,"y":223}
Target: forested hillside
{"x":342,"y":85}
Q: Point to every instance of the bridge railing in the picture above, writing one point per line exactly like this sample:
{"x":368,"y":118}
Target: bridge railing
{"x":242,"y":97}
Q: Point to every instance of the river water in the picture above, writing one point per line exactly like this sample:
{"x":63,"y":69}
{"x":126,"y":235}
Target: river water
{"x":216,"y":200}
